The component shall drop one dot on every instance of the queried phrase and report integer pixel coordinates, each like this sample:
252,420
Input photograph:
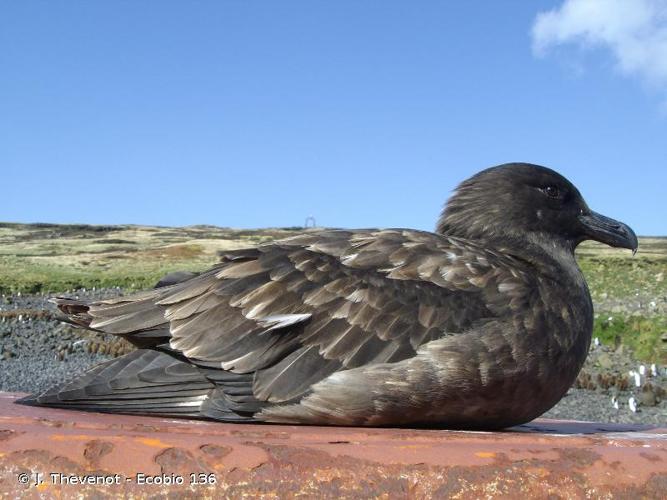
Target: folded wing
279,318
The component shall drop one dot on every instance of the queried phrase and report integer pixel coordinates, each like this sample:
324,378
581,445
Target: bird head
525,202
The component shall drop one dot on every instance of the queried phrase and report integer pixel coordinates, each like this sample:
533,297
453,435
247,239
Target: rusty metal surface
546,458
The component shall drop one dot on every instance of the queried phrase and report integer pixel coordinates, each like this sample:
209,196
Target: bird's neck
555,264
551,257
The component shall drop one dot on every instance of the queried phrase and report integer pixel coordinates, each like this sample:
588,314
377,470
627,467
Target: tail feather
138,315
73,311
152,382
142,382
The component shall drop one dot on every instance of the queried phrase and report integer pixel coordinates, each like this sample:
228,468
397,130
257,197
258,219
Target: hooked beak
606,230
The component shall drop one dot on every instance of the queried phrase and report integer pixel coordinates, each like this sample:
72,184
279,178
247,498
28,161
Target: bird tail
73,311
141,382
136,317
158,383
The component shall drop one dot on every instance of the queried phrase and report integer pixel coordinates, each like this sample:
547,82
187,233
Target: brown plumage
484,324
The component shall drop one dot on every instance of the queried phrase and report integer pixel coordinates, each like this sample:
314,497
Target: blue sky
363,114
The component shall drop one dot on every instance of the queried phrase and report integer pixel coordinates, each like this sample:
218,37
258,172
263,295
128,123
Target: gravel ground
37,351
593,406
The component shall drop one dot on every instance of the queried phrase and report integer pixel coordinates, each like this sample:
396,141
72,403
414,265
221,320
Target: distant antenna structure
310,222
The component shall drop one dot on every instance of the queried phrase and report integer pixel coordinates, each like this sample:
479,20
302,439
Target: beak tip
609,231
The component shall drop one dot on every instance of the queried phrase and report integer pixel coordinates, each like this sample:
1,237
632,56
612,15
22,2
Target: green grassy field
53,258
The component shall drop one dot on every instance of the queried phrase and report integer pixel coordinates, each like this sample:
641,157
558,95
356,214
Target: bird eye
551,191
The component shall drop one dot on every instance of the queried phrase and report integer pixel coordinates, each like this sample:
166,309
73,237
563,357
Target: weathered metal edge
57,449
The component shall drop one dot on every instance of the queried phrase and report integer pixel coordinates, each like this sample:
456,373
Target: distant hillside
59,257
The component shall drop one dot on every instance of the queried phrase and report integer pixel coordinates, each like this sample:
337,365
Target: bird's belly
453,382
509,389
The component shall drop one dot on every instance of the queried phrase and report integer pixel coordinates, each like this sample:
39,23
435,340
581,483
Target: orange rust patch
71,437
485,454
154,442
